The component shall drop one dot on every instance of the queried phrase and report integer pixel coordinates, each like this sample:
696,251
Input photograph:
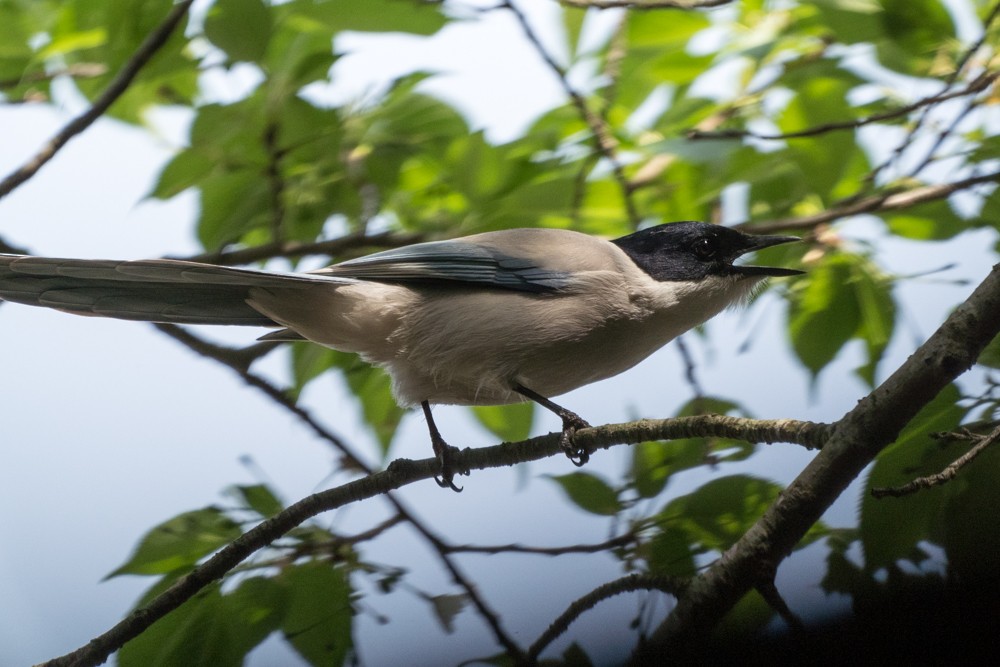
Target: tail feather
170,291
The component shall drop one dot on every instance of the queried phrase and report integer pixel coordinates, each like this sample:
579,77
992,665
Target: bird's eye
704,249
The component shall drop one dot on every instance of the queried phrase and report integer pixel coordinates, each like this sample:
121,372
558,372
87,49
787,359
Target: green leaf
845,297
589,492
210,629
446,608
671,552
967,530
371,386
319,618
241,28
573,19
180,542
932,221
420,18
510,423
718,513
890,528
878,315
259,498
186,170
232,204
916,30
746,620
990,356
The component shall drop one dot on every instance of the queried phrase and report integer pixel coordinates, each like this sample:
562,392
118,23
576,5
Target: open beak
758,243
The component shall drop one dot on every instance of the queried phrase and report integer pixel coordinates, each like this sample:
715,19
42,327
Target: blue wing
452,262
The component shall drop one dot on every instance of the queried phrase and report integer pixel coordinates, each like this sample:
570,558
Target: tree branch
854,442
644,4
603,135
115,89
979,84
402,472
889,201
628,584
945,475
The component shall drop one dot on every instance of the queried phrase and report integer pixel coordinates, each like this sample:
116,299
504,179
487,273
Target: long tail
155,290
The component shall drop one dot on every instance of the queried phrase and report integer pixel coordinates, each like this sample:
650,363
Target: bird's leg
571,423
443,451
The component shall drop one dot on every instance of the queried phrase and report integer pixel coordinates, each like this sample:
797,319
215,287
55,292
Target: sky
110,428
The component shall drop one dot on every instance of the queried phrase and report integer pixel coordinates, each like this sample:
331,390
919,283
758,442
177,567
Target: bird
489,319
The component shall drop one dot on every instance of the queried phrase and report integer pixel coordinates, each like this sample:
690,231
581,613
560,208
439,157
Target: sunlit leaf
510,423
241,28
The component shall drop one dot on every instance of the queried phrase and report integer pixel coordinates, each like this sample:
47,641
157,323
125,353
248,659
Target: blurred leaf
446,608
747,619
573,19
890,528
671,551
510,423
990,356
658,54
180,542
210,628
241,28
186,170
916,29
716,515
370,385
843,298
421,18
575,656
232,204
932,221
878,315
259,498
589,492
318,622
653,463
967,531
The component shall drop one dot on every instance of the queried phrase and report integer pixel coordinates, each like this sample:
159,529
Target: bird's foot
446,457
572,422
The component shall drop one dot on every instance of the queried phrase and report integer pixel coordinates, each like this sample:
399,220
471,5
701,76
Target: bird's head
694,251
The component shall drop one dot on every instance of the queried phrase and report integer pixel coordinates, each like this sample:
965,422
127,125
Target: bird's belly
473,378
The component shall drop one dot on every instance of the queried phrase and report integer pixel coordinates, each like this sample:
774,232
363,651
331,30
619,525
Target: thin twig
690,372
603,136
76,71
275,182
645,4
491,617
628,584
234,360
402,472
613,543
115,89
942,477
881,202
231,358
949,82
981,83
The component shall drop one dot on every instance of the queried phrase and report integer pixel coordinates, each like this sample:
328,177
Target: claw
571,423
445,454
